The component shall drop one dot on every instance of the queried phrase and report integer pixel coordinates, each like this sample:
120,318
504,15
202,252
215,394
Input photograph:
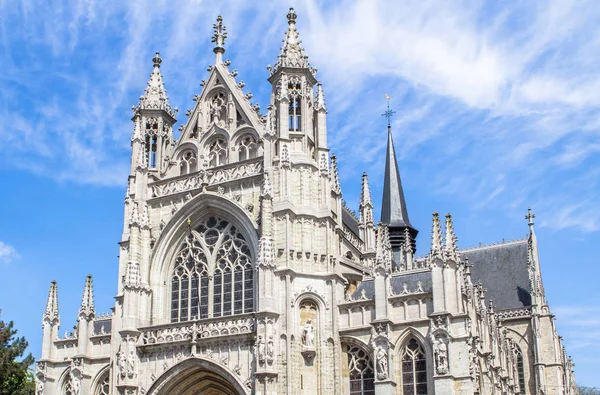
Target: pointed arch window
414,369
247,147
295,106
188,163
104,386
217,152
213,274
520,368
360,371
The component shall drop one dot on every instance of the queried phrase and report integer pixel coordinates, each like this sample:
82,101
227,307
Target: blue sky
497,110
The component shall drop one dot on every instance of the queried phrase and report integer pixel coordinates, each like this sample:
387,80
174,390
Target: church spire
87,301
155,95
51,312
292,53
394,212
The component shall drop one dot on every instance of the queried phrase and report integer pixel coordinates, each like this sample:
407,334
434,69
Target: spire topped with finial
155,95
530,217
51,312
436,237
366,204
292,53
335,176
451,247
219,36
87,309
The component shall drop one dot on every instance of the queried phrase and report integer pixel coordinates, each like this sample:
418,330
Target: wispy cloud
8,253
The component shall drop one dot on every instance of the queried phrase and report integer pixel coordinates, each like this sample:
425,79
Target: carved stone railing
194,330
353,239
233,172
515,313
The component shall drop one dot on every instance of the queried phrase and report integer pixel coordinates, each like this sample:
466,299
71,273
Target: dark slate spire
393,206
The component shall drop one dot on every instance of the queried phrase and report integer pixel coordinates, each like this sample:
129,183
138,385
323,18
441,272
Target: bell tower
299,111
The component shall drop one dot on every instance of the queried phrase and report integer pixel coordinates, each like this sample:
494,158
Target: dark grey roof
351,222
397,283
502,269
393,205
412,281
102,324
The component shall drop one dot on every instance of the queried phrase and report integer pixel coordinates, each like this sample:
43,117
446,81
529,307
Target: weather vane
388,114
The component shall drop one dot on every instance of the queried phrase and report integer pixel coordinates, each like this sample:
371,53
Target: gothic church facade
241,270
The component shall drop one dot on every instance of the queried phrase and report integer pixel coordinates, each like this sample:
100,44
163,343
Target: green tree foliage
15,378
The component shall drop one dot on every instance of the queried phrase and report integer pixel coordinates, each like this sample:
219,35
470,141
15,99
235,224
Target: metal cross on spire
389,112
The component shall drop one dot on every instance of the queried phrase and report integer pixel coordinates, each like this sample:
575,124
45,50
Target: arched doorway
197,377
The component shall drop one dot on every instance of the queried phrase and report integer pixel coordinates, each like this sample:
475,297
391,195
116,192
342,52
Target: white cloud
8,253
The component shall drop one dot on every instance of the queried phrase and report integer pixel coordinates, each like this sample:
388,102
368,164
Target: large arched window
414,369
247,147
361,372
217,152
103,387
188,163
520,368
213,264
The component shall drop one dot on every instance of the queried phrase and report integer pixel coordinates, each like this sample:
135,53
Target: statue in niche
440,350
308,334
122,361
270,349
216,109
260,346
131,364
76,386
382,363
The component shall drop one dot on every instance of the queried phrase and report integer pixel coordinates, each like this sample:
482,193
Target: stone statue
440,350
39,387
308,334
122,360
382,363
270,349
76,386
261,349
131,364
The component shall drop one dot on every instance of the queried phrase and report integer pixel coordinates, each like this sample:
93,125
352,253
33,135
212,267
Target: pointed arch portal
197,377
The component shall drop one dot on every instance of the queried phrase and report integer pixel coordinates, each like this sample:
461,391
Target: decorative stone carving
308,335
381,359
260,350
270,350
206,178
440,352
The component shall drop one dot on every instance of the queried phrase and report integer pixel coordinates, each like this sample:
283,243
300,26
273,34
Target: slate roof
502,269
397,282
99,323
349,220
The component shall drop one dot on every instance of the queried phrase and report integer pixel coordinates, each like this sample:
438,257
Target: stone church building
242,271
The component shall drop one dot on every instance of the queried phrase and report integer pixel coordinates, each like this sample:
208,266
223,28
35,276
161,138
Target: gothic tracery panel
217,152
360,372
104,386
414,369
188,162
213,273
247,147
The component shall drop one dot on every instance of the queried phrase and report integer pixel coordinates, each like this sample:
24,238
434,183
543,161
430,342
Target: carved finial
335,177
51,312
451,247
135,217
320,98
145,220
529,217
157,59
267,189
219,36
383,252
87,310
291,16
366,204
388,113
436,237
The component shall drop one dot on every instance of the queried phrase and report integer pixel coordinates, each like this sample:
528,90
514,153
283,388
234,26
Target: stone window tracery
520,368
247,147
103,387
188,163
68,387
217,152
361,372
295,106
414,369
213,274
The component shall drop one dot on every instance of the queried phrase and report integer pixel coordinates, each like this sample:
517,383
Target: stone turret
50,322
